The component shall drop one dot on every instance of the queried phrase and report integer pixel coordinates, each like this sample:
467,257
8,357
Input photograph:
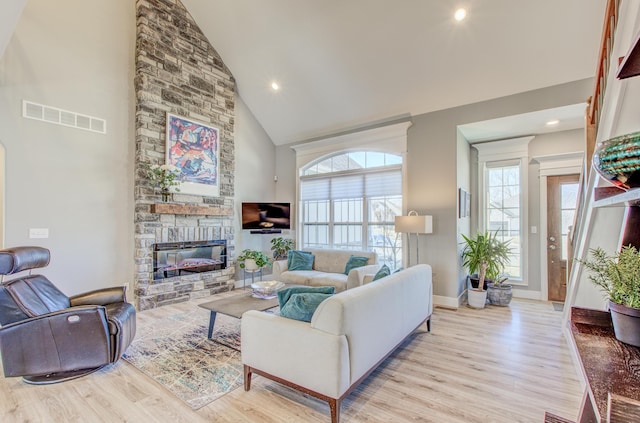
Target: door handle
552,238
552,247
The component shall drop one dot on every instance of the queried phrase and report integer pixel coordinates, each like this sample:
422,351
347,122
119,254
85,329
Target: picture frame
194,148
464,203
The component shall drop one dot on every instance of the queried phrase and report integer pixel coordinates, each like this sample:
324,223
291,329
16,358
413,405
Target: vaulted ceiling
342,64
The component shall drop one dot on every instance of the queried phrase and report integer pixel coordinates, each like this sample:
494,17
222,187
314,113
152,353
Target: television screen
266,216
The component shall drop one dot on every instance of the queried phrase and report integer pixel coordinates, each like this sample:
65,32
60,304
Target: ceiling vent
57,116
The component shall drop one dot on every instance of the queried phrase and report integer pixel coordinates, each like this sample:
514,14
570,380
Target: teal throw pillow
285,294
384,271
399,269
291,253
302,306
301,260
354,262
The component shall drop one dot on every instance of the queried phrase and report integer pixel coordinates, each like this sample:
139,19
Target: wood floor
494,365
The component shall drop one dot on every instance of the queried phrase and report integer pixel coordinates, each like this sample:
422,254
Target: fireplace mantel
168,208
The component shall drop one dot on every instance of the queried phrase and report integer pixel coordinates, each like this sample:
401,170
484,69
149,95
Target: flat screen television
266,216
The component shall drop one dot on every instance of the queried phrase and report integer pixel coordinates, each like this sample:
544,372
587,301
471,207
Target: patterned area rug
176,353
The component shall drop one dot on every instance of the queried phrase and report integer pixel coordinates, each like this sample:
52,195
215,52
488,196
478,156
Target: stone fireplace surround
178,71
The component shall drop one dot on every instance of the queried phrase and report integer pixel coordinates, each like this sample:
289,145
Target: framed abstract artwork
193,147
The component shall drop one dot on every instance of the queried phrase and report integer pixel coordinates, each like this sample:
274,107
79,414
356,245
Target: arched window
349,201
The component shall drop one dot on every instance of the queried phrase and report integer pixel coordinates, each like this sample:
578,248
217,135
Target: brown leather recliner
47,337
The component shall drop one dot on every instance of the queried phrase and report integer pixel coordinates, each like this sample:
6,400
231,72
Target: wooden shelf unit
611,369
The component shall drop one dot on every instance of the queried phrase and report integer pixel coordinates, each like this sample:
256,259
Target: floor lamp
414,224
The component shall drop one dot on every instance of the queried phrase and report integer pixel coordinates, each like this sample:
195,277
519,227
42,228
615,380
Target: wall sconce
414,224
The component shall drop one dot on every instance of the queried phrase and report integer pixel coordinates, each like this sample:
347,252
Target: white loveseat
328,269
350,334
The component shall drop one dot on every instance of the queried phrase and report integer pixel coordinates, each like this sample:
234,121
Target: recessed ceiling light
275,86
553,122
460,14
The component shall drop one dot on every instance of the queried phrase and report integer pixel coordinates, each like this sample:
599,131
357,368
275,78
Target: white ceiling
534,123
346,63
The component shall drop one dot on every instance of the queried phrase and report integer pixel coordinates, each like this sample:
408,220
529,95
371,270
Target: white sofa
328,269
350,334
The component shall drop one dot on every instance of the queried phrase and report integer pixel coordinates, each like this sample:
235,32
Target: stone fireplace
179,72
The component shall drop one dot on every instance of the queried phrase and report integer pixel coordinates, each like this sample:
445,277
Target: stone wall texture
179,72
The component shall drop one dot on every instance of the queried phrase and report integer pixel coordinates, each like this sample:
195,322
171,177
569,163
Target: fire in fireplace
184,258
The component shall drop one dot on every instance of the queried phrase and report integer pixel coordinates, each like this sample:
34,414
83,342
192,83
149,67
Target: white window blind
374,184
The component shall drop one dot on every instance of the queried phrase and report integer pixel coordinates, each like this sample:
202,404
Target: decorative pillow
398,269
301,260
384,271
291,253
354,262
302,306
285,294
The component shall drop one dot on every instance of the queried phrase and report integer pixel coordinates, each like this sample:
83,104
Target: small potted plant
164,177
619,278
252,260
281,247
486,256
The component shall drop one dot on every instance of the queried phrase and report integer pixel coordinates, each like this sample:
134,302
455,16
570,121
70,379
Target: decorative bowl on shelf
618,160
266,289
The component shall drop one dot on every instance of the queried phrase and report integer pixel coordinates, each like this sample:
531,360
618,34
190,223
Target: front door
562,195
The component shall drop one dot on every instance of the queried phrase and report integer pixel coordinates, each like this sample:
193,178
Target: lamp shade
414,224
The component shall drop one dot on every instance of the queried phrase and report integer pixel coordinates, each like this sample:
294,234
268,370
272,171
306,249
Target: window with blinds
352,206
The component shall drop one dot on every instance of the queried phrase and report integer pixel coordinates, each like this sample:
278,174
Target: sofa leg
334,405
429,325
247,377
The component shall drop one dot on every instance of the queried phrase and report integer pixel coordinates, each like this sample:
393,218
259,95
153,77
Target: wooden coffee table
236,306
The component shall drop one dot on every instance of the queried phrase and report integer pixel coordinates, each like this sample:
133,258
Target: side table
252,272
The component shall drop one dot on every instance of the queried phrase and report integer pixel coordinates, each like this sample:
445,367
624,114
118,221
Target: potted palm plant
486,256
619,278
252,260
281,247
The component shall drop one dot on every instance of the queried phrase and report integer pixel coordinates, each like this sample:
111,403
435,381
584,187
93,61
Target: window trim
502,153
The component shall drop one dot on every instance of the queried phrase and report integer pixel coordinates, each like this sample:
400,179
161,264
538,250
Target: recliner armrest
116,294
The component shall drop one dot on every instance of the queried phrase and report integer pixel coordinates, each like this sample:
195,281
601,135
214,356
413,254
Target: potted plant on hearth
281,247
619,277
252,260
485,257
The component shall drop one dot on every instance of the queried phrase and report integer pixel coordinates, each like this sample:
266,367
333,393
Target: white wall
463,177
255,171
11,11
78,56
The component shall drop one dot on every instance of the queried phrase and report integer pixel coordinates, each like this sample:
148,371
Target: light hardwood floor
494,365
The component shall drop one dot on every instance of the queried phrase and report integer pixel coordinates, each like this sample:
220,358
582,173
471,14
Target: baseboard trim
528,295
448,302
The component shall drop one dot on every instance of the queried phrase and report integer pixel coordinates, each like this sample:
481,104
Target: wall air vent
57,116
